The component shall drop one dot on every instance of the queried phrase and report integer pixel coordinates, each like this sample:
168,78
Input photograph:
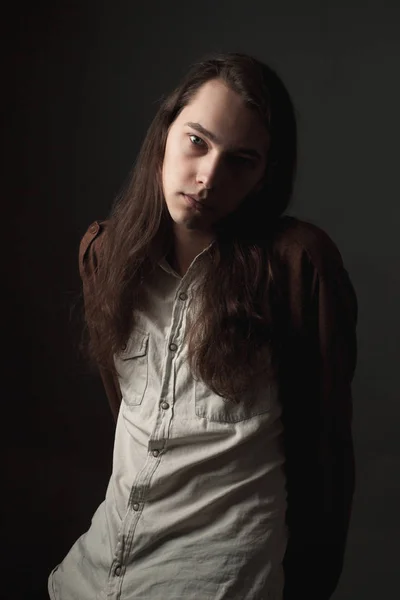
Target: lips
196,199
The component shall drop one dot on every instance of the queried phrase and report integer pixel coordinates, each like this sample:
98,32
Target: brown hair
234,334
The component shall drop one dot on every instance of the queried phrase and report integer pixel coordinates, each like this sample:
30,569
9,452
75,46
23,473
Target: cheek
168,170
179,165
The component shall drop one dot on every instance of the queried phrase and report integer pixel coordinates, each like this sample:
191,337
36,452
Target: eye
243,160
197,138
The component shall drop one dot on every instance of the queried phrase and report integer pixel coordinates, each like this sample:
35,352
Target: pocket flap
136,345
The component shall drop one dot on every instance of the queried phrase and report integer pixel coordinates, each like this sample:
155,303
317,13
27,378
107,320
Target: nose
210,171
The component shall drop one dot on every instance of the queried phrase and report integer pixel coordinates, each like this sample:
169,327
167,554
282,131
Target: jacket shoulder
89,247
298,239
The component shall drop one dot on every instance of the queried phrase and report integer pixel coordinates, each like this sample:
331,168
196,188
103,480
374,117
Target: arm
89,251
337,320
316,382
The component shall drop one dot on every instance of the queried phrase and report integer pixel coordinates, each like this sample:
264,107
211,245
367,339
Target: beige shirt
195,506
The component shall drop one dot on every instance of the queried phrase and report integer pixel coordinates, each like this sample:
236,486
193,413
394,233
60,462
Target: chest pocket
133,368
259,399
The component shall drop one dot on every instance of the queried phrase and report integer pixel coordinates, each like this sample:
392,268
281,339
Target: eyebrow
215,139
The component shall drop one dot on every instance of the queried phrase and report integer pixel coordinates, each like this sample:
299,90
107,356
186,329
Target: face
216,149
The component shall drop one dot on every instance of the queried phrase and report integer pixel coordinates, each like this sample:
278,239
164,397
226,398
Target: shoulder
313,266
90,247
298,241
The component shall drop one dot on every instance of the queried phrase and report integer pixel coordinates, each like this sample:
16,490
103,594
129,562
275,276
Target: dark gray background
81,82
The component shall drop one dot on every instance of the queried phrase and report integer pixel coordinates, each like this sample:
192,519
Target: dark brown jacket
316,371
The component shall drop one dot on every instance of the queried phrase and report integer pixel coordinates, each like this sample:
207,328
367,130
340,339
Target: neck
181,258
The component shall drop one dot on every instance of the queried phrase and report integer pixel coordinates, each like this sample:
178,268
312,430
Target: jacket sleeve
337,320
318,422
89,251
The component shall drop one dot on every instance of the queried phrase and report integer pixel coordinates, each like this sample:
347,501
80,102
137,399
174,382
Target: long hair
233,334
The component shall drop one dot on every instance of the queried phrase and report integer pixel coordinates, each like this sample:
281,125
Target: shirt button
136,506
164,405
93,228
183,296
117,571
156,453
173,346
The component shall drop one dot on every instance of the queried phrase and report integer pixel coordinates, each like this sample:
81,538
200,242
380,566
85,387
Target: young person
225,335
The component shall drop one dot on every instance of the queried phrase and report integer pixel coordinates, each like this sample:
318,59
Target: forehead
222,111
